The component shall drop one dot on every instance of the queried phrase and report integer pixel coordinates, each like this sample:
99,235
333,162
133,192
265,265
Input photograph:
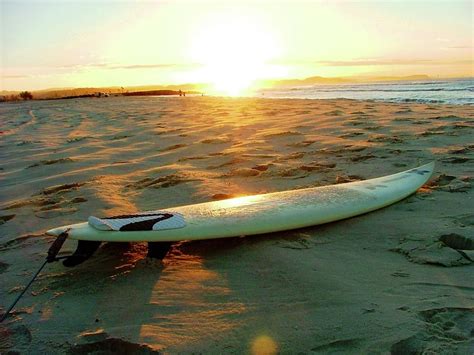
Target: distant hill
307,81
396,78
8,92
315,80
57,93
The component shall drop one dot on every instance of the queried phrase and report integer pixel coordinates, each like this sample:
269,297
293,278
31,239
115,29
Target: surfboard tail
55,232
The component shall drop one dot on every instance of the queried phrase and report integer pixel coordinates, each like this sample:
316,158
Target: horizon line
360,78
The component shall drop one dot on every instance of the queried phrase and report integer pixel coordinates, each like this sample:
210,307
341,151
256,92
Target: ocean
455,91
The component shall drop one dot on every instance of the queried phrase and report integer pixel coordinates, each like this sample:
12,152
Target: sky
229,44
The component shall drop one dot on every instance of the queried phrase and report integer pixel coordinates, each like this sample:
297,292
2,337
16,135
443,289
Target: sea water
455,91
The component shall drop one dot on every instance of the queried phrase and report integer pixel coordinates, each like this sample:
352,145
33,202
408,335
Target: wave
459,101
448,91
388,90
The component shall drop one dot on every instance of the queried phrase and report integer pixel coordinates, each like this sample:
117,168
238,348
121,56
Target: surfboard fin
85,249
158,250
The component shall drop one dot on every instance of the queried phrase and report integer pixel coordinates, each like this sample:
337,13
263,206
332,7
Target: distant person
184,93
180,93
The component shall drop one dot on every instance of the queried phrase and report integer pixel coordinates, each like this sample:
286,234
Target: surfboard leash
51,257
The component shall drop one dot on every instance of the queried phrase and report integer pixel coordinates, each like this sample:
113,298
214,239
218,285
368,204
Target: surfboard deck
257,214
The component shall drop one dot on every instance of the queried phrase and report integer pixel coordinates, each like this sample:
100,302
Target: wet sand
398,279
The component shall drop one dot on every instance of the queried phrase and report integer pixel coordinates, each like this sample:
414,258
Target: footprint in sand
233,161
321,167
463,150
456,160
352,134
403,111
305,143
50,202
354,122
77,139
446,118
431,132
338,346
449,183
302,170
457,241
161,182
110,346
282,134
359,158
217,140
173,147
292,156
420,122
447,330
373,128
55,212
51,162
242,172
402,119
167,131
334,113
192,158
464,220
5,218
62,188
62,207
14,336
431,250
20,242
119,137
26,142
385,139
262,167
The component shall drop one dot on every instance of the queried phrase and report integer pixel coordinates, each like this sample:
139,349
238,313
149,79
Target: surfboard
256,214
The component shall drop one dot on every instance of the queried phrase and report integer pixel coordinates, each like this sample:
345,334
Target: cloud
110,66
366,62
142,66
459,47
15,76
83,66
376,62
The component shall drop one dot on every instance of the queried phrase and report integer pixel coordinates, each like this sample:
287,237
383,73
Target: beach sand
396,280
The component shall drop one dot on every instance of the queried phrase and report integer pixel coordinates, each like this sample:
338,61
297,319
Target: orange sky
229,43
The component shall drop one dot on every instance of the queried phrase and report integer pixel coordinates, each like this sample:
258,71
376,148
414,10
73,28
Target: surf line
51,257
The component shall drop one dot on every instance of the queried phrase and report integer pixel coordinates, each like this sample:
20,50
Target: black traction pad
143,221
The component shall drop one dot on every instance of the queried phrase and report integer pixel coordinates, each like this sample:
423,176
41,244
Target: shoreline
256,97
290,86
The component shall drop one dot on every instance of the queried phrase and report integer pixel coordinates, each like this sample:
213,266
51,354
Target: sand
396,280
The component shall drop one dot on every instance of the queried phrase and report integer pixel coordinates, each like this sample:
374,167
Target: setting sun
234,51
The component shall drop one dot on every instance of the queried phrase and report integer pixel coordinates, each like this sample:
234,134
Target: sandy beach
396,280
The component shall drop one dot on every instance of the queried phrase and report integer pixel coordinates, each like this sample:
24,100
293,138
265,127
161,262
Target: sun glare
234,52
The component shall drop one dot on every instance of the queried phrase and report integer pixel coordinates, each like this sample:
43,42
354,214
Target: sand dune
399,279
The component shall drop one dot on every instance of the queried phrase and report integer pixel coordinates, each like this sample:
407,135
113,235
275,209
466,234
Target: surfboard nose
430,166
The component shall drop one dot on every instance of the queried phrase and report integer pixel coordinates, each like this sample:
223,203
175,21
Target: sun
233,52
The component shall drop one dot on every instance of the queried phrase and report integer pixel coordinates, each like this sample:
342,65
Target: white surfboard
255,214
